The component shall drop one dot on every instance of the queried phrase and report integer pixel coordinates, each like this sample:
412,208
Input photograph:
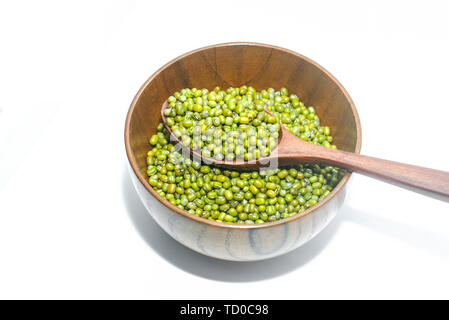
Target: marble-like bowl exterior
239,244
232,241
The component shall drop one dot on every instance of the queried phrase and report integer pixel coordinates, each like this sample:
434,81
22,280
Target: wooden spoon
291,150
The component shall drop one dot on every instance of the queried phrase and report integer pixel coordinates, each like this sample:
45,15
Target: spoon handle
430,182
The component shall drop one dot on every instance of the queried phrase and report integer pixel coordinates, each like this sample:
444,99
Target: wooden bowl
235,64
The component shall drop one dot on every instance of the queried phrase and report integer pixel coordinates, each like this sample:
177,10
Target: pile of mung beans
233,124
209,122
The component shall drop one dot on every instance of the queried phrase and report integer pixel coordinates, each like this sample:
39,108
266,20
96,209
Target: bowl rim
212,223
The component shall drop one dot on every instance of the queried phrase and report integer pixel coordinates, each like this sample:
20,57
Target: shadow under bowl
235,64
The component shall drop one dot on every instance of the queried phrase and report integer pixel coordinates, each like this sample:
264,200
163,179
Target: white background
71,225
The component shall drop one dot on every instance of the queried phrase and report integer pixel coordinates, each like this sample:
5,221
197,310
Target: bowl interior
261,66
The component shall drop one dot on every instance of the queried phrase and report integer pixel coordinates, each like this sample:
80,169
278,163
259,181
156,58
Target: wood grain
430,182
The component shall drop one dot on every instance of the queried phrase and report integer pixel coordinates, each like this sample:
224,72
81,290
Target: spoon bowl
279,156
